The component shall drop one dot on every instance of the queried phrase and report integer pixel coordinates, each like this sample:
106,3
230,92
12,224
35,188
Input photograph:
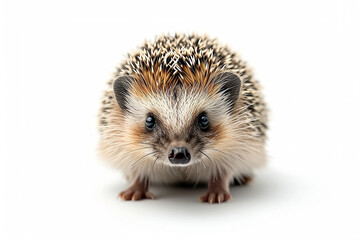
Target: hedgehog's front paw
215,196
135,194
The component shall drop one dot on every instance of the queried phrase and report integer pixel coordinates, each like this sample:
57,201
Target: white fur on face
236,151
177,114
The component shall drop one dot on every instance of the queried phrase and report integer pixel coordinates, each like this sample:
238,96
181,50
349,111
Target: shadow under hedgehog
183,109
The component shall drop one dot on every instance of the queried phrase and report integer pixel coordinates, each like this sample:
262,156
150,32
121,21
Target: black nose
179,155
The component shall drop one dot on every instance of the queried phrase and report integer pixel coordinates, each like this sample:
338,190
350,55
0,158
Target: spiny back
188,60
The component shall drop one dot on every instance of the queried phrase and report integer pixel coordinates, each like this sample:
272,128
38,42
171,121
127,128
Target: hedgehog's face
177,126
178,141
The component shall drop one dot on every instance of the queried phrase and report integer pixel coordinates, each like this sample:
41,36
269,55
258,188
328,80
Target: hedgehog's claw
134,195
218,191
215,197
137,191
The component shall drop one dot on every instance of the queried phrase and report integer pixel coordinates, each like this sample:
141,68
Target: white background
55,58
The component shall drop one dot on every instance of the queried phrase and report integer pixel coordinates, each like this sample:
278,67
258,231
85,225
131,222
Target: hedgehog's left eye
203,122
150,123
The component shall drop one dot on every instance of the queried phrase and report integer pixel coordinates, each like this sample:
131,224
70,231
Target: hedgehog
183,109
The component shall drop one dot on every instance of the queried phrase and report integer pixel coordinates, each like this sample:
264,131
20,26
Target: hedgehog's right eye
150,123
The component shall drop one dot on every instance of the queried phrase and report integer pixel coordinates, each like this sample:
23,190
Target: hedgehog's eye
203,122
150,123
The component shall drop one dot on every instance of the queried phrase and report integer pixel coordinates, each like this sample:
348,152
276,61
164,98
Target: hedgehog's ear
230,86
121,90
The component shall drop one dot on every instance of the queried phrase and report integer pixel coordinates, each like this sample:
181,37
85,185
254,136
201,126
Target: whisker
133,143
219,151
188,176
197,181
155,162
142,158
241,161
217,167
204,163
189,172
138,149
173,170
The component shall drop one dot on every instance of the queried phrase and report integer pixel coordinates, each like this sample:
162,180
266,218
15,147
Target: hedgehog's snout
179,155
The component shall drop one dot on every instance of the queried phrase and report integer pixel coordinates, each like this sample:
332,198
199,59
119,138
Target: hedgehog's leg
138,190
218,190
